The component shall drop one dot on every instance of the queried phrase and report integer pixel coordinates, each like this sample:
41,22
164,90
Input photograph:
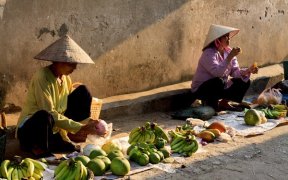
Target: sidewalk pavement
169,98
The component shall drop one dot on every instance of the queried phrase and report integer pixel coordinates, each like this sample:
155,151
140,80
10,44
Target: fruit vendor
218,78
54,108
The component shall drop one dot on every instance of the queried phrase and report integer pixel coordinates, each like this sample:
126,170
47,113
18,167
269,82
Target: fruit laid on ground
147,133
97,152
216,132
120,166
84,159
165,152
207,136
143,159
217,125
70,169
184,145
88,148
154,158
252,117
97,166
110,146
19,168
106,160
160,142
114,154
141,153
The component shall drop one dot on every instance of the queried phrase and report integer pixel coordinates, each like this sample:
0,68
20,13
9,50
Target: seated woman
53,107
218,75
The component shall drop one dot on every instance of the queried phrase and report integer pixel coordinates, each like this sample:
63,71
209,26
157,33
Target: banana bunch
147,133
71,169
185,146
141,134
27,168
275,111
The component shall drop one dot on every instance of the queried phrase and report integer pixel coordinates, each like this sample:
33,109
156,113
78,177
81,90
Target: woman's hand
234,52
253,68
81,135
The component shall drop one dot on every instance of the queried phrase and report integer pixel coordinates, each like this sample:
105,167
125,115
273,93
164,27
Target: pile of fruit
22,169
147,133
142,153
212,132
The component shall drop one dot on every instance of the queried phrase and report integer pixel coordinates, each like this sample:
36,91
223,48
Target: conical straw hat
216,31
64,50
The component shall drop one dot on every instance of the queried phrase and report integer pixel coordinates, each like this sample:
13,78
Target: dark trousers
37,130
214,89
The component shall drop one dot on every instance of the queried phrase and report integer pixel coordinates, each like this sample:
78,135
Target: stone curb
173,97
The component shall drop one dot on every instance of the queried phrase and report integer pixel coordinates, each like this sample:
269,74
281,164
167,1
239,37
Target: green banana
160,132
176,140
135,137
30,166
60,166
179,148
4,168
195,148
189,147
180,143
84,173
78,170
134,131
62,173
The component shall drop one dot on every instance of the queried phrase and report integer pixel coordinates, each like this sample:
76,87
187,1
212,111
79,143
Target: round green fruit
97,152
165,152
115,153
84,159
154,158
106,160
120,166
143,159
97,166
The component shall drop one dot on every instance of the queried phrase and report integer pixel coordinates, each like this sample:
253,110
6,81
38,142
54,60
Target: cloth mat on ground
236,121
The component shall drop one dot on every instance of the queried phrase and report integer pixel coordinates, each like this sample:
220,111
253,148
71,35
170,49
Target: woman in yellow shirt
53,108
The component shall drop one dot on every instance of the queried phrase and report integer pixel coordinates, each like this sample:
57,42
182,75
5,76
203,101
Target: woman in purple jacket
218,75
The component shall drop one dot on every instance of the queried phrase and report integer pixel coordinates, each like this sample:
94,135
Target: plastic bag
270,96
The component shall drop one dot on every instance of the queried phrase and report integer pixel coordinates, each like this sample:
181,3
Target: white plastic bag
270,96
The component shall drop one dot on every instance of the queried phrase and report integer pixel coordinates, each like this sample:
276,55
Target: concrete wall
136,44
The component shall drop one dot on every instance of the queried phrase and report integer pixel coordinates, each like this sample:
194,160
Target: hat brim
216,31
64,49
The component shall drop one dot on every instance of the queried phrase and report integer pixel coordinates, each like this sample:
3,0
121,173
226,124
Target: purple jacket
211,64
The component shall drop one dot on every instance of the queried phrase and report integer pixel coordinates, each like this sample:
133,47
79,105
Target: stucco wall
136,44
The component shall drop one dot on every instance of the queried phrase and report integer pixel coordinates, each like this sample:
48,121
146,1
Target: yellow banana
14,175
31,178
84,172
20,175
4,168
9,173
30,167
24,171
37,164
152,136
134,131
134,137
147,136
38,172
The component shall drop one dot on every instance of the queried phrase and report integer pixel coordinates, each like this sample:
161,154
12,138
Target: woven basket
2,144
96,106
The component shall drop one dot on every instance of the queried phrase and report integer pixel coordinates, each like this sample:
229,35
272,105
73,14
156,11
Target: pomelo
97,152
115,153
97,166
120,166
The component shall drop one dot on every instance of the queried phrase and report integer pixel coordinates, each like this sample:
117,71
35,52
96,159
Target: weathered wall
136,44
